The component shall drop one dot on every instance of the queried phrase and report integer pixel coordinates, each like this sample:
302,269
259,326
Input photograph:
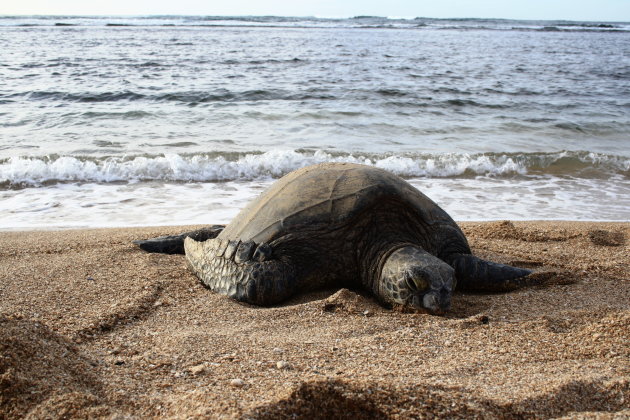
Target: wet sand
90,326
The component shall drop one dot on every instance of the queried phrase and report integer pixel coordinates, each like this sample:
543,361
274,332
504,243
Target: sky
594,10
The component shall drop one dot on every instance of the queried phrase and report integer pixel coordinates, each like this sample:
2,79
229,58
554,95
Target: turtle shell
325,196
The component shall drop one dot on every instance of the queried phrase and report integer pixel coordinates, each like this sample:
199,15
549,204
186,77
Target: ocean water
127,121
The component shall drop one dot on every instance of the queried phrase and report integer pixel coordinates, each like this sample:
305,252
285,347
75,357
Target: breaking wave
24,172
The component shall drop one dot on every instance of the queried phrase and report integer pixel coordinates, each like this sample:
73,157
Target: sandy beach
92,327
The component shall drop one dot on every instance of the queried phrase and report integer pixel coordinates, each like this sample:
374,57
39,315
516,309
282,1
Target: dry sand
90,326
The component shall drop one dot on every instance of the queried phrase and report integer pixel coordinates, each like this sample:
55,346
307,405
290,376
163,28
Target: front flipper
473,273
174,244
244,271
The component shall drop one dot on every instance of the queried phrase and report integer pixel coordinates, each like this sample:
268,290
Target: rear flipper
244,271
473,273
174,244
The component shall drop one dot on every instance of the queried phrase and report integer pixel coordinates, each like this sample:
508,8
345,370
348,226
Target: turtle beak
434,301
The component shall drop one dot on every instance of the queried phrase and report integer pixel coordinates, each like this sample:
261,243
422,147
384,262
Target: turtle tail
174,244
473,273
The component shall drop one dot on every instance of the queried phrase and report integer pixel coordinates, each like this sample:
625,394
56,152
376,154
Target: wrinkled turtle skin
343,225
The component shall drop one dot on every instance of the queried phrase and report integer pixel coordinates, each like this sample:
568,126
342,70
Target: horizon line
164,15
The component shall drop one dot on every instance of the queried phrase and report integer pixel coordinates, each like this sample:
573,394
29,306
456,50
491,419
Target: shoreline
90,326
185,227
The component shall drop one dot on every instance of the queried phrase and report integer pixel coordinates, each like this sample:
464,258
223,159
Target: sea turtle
339,224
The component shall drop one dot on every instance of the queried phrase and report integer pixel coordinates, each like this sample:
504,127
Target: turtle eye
410,283
416,281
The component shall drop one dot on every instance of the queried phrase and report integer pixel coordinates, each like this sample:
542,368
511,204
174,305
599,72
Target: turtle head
415,278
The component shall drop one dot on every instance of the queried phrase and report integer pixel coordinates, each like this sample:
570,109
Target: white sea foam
159,203
34,171
90,197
